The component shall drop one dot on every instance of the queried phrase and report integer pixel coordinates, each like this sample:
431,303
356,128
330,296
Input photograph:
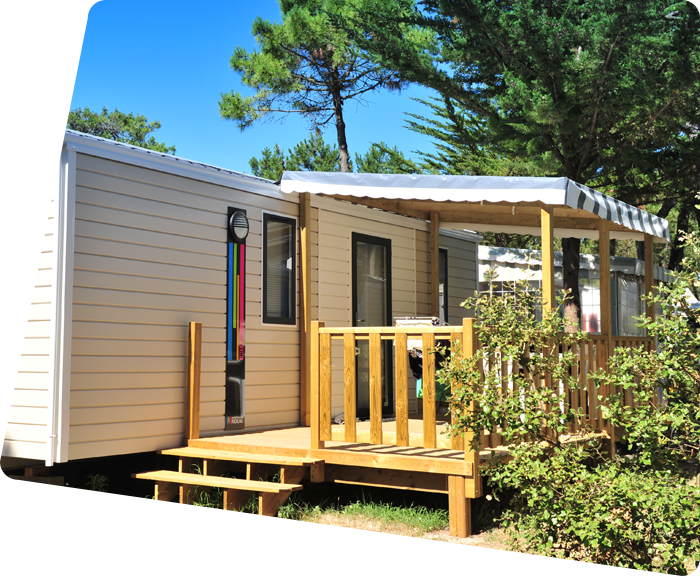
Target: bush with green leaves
570,497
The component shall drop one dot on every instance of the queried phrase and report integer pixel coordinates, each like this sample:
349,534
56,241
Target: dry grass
71,538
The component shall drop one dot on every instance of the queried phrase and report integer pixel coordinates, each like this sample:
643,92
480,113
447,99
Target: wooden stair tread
217,481
193,452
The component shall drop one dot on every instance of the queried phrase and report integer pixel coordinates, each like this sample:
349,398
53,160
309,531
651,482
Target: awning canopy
486,203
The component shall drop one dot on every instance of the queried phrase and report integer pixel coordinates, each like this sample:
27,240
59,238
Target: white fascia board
173,165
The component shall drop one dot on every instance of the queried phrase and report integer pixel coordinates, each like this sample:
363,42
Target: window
279,266
444,304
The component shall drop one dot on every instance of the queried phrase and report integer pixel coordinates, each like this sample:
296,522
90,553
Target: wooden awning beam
523,214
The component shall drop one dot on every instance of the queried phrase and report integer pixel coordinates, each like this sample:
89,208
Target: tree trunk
572,308
343,154
677,251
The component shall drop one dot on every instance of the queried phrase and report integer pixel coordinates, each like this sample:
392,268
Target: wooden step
191,452
236,492
216,481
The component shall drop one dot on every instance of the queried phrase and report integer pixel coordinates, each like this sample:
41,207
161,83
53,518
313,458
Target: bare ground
72,539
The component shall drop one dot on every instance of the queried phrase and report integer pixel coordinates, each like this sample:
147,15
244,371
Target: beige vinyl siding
150,257
336,222
26,294
461,276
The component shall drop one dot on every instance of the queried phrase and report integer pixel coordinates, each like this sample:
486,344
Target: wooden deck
296,441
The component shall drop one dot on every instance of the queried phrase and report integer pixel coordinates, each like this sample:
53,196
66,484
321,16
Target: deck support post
547,226
304,305
460,507
315,396
435,264
194,370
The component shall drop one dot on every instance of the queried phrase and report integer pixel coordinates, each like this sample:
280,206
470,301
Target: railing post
194,370
315,400
470,455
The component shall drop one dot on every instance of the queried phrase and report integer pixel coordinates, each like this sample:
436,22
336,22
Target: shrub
569,498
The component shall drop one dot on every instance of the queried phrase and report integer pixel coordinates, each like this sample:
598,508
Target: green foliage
270,165
296,509
663,434
306,65
380,159
522,402
568,497
418,517
312,155
127,128
22,101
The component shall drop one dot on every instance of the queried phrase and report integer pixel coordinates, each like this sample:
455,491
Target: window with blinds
279,265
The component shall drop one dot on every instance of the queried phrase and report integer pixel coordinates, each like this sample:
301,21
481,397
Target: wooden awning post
304,306
435,264
547,225
194,370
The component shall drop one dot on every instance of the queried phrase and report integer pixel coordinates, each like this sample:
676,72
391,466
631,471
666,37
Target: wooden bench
236,492
292,468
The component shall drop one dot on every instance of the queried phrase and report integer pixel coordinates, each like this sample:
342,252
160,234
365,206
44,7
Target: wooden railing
591,355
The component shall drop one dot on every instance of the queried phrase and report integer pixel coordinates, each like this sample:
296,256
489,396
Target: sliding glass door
371,306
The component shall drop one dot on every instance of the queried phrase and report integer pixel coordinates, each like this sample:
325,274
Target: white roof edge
552,191
120,152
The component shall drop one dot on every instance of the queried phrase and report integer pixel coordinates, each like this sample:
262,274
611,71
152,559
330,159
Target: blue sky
170,62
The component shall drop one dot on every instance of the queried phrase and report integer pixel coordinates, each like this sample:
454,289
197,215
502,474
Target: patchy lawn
71,539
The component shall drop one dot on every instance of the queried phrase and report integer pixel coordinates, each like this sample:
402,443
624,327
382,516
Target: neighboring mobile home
138,244
627,281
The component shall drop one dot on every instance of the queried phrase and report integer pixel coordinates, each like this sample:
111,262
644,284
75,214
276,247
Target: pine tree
305,65
127,128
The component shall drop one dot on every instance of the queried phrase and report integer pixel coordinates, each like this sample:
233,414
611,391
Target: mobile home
138,244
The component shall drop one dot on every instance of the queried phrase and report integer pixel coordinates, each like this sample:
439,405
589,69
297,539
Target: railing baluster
600,363
429,430
350,388
375,389
456,441
401,362
325,397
